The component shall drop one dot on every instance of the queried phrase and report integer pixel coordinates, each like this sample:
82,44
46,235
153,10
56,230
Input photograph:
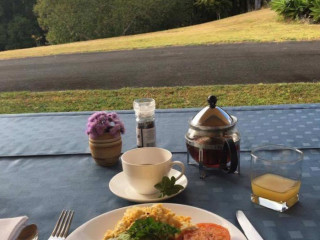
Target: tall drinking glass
276,176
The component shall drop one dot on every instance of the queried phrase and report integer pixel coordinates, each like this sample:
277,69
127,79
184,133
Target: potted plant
104,130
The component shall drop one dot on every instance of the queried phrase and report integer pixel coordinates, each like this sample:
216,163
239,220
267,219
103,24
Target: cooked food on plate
206,231
159,223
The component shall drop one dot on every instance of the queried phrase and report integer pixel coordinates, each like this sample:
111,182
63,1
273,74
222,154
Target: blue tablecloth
64,133
45,167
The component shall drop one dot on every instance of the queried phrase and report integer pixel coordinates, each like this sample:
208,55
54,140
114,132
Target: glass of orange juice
276,176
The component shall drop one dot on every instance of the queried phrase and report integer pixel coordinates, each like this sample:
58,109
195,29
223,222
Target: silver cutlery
250,232
29,232
61,229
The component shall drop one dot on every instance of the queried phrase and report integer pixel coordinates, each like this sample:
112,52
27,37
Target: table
45,166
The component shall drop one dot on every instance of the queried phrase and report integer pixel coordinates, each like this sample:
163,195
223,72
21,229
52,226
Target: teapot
213,140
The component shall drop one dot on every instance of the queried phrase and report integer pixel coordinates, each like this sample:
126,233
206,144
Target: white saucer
119,186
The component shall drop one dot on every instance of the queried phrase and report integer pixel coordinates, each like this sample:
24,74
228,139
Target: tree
21,33
67,21
18,25
78,20
220,7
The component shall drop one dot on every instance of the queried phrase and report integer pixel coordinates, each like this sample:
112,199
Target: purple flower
115,130
101,122
122,129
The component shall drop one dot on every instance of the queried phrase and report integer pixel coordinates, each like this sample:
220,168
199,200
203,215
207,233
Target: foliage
78,20
315,10
18,25
297,9
65,21
292,9
137,16
149,229
20,32
220,7
168,186
256,26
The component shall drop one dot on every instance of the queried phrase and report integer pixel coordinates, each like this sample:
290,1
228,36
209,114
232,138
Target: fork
62,226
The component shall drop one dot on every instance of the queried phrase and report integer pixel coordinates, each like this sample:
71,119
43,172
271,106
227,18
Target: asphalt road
171,66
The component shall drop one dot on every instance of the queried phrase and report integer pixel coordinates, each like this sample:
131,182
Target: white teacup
145,167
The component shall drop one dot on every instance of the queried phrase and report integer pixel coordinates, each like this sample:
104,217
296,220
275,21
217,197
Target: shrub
297,9
220,7
291,9
315,10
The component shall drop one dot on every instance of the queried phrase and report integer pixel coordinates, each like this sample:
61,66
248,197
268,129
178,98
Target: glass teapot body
213,139
214,147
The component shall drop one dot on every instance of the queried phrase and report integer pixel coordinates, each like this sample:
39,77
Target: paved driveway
171,66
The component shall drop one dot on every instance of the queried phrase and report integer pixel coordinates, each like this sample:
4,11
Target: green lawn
256,26
166,97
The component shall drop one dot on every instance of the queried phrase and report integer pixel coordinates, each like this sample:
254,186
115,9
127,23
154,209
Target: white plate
120,187
96,227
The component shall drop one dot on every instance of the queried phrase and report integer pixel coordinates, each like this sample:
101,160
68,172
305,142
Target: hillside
257,26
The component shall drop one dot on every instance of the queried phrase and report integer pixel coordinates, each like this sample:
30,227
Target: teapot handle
230,147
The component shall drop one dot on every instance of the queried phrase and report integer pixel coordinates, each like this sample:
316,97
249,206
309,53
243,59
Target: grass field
257,26
166,97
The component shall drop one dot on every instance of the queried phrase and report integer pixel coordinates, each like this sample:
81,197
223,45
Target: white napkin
11,227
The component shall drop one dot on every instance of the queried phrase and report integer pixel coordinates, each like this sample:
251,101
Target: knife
247,227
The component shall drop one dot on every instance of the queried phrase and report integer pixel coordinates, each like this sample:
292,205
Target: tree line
29,23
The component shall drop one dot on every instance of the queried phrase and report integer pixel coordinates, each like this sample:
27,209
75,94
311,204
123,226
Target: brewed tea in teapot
213,140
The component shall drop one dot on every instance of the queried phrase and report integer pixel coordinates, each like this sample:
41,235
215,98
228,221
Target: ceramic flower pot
106,149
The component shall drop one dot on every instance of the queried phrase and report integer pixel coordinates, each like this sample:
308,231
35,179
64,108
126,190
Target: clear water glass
276,176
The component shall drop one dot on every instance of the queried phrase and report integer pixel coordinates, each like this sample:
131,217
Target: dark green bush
315,10
18,25
297,9
220,7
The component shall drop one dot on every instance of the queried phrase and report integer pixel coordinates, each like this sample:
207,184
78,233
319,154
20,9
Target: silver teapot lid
212,117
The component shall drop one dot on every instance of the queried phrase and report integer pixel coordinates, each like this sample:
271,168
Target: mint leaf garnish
167,186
